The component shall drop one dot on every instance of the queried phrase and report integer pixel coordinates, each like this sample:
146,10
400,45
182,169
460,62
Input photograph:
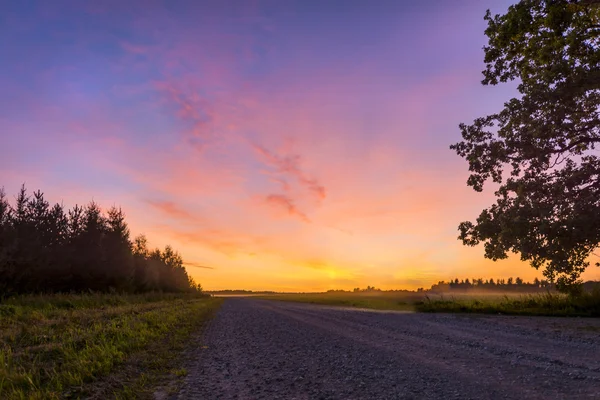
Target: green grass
62,346
548,304
558,305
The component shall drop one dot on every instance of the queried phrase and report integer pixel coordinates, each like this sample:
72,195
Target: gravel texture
260,349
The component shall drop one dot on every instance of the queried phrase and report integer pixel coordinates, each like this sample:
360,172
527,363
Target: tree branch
590,2
576,143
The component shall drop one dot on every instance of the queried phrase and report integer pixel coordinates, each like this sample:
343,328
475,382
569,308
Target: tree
6,267
118,250
38,240
57,241
519,281
91,257
143,278
44,249
541,147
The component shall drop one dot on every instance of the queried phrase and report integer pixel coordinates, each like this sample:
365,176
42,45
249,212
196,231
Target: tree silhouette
502,285
45,249
118,250
541,147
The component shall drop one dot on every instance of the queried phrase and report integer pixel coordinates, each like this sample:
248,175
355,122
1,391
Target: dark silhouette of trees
541,148
367,289
45,249
501,285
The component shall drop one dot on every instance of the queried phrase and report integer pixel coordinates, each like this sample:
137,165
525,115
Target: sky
278,145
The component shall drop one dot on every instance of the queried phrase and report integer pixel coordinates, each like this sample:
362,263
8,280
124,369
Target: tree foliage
541,147
45,249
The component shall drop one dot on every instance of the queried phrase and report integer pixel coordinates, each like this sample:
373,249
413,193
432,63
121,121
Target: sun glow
259,152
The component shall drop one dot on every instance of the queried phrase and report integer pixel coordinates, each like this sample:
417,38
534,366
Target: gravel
260,349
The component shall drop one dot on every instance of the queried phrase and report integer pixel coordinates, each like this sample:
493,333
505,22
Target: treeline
510,284
45,249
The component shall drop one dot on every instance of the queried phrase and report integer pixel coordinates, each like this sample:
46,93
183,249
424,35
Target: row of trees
490,284
44,248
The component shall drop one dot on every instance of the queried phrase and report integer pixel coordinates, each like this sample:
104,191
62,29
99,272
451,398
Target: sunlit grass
376,301
549,304
53,346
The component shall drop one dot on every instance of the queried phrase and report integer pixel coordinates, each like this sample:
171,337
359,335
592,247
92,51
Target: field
400,301
548,304
515,303
95,346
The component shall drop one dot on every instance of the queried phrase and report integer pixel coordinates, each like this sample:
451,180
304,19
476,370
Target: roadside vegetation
95,346
86,312
400,301
512,297
549,304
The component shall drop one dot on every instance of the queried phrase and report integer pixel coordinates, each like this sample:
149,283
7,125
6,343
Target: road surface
260,349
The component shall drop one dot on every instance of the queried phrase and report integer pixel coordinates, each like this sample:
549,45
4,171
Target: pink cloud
195,110
229,243
290,165
287,204
172,210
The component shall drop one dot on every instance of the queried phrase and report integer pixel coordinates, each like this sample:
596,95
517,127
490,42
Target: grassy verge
550,304
102,346
376,302
587,305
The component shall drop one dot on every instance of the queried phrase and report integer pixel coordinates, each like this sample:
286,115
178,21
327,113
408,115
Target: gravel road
260,349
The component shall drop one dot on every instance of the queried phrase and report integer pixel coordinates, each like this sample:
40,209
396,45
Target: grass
556,305
376,301
547,304
103,346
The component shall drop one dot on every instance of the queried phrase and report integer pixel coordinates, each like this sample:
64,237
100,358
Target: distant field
557,305
401,301
515,303
102,346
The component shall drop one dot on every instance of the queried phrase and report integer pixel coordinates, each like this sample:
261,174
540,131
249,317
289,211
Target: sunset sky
285,145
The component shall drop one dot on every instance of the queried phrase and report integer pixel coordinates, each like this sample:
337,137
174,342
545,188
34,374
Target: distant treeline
370,289
510,284
516,284
44,248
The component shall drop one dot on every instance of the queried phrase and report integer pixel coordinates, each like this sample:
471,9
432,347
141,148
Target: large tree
541,148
